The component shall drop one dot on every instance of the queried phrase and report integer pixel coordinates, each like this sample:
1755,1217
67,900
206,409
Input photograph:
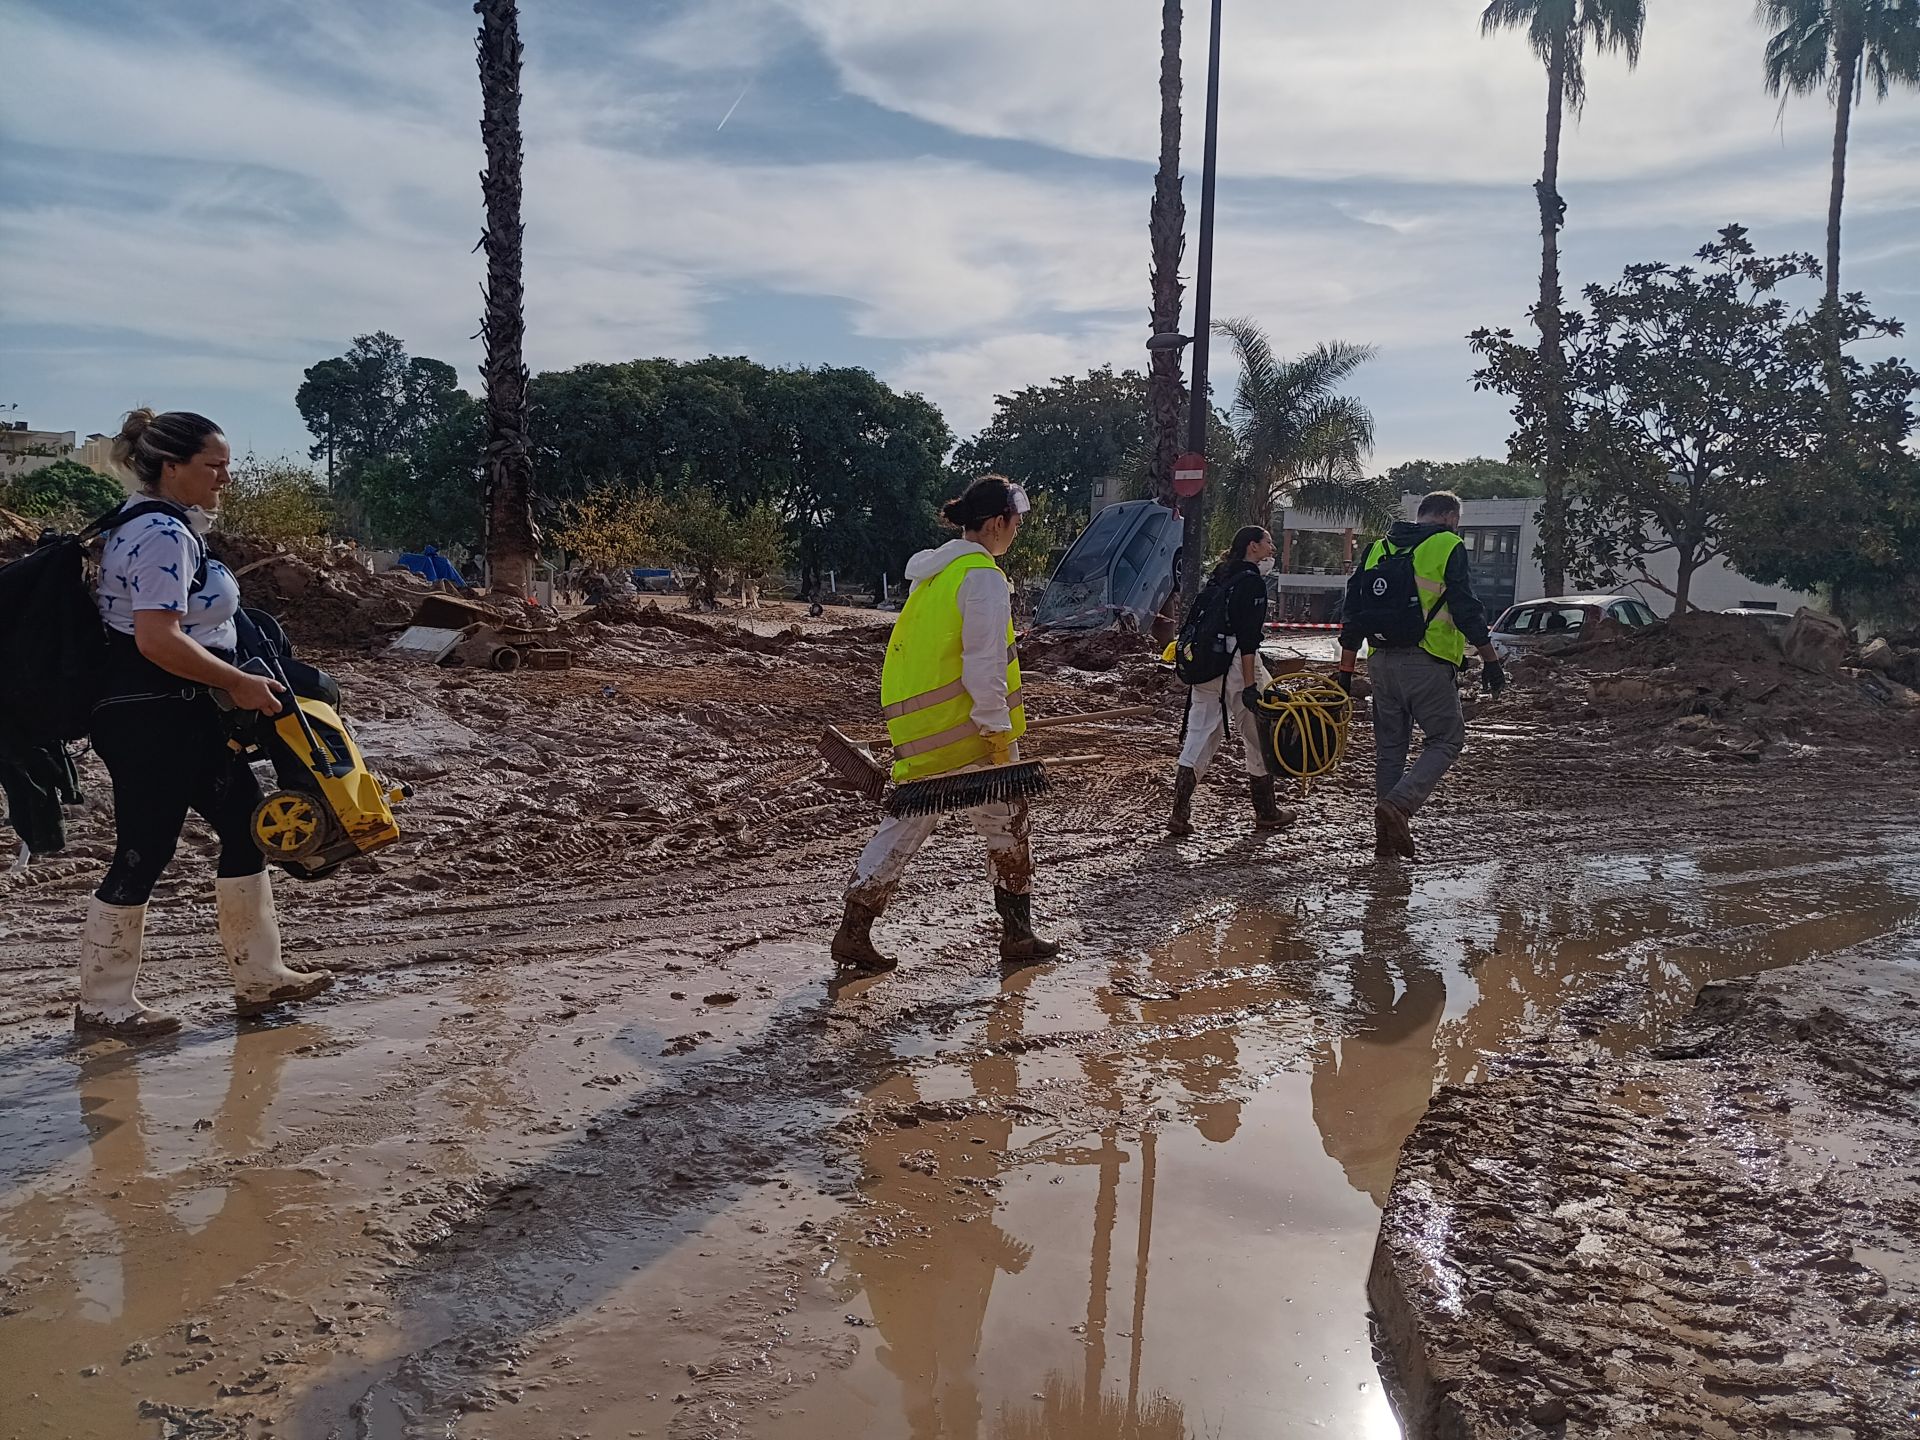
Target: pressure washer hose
1314,712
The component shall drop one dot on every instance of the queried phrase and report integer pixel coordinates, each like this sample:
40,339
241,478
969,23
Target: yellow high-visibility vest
929,712
1443,640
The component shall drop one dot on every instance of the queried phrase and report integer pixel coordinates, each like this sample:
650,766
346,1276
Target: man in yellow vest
1414,665
950,690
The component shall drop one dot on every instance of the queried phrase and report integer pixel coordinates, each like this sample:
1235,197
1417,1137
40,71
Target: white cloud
1393,89
328,186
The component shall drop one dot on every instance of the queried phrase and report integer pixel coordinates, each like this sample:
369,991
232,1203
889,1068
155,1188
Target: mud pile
1719,682
1714,1239
330,600
18,535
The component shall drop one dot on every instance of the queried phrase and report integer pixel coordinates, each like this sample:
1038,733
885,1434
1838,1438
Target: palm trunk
511,540
1848,60
1167,229
1553,508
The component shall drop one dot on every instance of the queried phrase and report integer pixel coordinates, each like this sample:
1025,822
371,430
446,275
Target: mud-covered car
1553,624
1774,622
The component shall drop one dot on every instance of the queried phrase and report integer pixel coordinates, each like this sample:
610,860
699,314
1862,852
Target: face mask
1266,566
200,520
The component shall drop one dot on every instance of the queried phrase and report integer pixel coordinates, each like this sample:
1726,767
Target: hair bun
954,513
131,429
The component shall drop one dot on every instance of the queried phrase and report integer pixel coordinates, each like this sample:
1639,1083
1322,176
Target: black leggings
168,755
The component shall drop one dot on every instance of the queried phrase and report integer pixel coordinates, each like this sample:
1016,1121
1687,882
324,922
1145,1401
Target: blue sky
198,200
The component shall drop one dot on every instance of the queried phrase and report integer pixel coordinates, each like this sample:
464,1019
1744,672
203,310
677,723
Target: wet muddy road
586,1144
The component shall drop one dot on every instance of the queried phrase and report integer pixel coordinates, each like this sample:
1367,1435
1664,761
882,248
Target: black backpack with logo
53,646
1201,651
1389,611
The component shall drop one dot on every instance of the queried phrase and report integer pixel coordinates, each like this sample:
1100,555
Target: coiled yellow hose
1303,725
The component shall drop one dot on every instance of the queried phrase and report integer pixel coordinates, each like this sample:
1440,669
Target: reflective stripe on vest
1443,640
928,710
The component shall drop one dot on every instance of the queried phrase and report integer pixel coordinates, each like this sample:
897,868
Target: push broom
964,788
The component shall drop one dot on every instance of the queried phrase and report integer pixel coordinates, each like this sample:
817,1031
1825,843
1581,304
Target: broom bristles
943,793
856,763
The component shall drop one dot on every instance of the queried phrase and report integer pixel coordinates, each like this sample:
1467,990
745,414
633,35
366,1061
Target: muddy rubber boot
1267,814
1392,830
250,935
1180,822
1018,944
853,947
109,965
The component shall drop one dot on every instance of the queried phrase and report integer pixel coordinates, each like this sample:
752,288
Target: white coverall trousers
1206,724
1003,825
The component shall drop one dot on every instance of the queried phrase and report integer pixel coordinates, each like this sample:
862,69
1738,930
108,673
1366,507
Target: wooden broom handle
1124,712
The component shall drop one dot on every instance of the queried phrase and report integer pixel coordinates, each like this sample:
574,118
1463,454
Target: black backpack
1200,650
53,646
1389,611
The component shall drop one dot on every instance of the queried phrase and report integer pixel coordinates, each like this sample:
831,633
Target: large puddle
1138,1201
1149,1210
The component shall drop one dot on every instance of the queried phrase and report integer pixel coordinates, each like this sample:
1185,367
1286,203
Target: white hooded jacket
986,609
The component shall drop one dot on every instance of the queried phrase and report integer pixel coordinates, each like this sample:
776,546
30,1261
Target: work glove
999,747
1493,676
1250,697
1344,679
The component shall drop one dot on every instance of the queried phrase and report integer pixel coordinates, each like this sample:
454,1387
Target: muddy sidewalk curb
1714,1238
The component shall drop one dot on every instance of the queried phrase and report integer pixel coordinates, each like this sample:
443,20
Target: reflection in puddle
1164,1230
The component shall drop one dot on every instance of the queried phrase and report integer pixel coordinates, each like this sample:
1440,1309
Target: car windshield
1563,618
1092,552
1522,620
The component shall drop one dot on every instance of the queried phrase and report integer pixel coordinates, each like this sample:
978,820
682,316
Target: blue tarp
431,565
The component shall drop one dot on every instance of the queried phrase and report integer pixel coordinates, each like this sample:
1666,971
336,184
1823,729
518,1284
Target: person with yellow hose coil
950,690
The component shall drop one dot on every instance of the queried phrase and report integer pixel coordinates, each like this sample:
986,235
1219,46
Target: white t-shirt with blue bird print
148,564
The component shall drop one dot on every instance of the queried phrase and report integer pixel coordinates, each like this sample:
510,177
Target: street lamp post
1194,511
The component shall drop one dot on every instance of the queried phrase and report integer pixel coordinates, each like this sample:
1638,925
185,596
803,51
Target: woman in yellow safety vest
950,690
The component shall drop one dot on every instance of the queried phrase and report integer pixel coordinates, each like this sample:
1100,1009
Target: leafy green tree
65,492
613,529
701,531
1057,439
1559,31
275,500
403,442
1847,524
1297,440
1475,479
1693,391
1843,47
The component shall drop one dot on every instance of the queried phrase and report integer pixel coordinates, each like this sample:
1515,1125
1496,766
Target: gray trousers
1412,687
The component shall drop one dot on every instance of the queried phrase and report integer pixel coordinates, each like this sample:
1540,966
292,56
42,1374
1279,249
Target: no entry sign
1189,474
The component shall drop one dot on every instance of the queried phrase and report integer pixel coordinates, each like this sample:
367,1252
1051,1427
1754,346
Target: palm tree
1843,47
1559,32
1167,230
1297,441
512,542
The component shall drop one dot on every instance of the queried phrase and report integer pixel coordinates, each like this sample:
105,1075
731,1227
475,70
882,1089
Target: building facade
1501,537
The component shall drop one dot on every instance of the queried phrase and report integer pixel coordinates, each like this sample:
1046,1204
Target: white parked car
1562,620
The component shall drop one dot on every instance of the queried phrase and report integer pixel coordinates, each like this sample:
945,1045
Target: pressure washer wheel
288,825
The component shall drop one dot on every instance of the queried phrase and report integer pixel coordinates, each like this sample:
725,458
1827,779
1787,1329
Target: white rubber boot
109,965
251,937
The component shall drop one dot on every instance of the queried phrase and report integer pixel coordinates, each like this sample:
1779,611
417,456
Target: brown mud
585,1143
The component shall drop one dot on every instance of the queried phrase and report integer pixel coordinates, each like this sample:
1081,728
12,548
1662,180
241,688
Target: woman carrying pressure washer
1233,605
951,694
169,611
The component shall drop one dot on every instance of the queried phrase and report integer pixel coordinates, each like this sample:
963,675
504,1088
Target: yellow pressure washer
1303,721
329,806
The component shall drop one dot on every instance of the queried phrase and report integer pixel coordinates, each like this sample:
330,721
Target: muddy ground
586,1142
